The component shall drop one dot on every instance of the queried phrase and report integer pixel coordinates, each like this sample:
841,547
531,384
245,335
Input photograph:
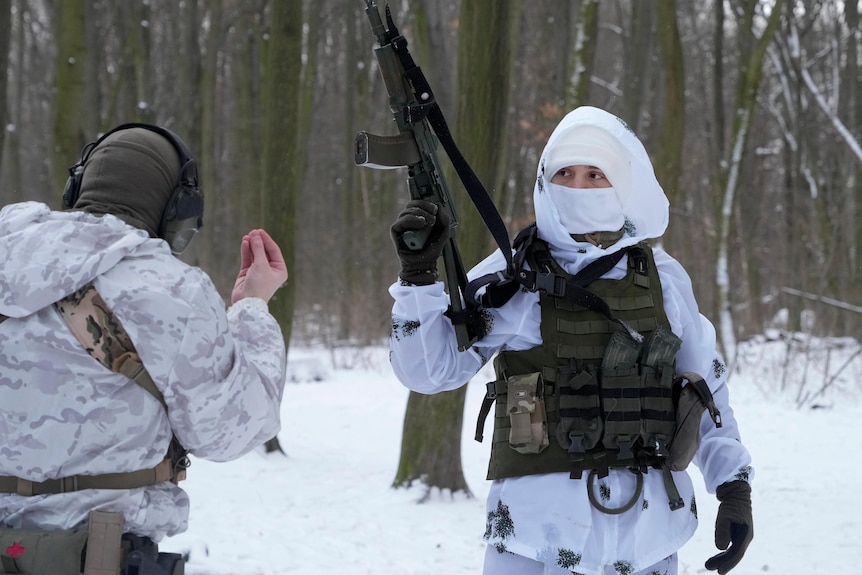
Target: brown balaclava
131,174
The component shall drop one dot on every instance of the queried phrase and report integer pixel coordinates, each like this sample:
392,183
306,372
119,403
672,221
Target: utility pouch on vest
694,398
39,552
104,552
526,408
62,551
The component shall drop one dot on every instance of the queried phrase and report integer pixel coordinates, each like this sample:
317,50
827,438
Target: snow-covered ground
327,507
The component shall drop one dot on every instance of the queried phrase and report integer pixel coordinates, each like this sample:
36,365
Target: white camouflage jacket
62,413
549,518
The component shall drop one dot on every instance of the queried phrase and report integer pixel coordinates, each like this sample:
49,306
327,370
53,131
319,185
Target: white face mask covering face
587,210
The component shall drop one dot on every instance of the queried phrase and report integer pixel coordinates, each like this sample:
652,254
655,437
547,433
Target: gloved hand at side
734,526
419,267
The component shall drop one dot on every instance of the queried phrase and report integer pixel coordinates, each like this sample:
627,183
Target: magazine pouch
526,408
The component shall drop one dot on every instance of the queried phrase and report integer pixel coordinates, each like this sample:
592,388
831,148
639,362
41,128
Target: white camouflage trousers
510,564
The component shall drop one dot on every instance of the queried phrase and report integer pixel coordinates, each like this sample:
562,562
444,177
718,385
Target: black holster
144,558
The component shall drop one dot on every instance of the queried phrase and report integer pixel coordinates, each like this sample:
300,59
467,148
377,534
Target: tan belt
131,480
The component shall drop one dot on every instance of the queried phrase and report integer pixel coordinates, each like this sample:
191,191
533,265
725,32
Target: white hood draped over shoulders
591,136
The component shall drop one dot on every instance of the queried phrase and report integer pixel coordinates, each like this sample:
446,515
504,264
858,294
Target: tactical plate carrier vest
591,397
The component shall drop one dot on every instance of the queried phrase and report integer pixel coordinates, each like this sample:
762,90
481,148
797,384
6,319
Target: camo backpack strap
103,336
105,339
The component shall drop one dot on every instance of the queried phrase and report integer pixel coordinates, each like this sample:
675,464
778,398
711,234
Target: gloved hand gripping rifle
415,147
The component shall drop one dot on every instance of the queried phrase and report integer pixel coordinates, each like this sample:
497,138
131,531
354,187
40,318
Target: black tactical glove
734,525
419,267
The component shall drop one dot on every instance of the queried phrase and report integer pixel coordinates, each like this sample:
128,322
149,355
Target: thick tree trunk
582,55
431,444
745,108
668,164
281,157
5,32
282,176
71,34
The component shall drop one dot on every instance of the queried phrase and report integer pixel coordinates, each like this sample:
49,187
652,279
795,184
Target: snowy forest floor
327,506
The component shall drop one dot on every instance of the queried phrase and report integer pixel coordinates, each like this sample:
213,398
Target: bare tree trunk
129,82
486,40
247,64
218,241
5,32
852,101
581,63
431,441
353,217
669,151
14,191
281,157
189,71
638,48
718,83
746,103
71,34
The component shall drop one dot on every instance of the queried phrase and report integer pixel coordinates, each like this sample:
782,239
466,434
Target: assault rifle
420,123
414,147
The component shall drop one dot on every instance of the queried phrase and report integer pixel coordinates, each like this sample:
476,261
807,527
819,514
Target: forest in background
750,109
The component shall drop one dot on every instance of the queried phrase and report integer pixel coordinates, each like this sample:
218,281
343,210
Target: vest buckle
551,284
491,390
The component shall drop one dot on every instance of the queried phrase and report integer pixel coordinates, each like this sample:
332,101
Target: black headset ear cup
73,186
183,215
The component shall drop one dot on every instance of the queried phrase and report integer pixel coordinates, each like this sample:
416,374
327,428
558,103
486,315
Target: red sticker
15,550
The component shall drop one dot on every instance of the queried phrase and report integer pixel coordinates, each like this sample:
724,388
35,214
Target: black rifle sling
552,279
597,268
572,288
500,287
430,109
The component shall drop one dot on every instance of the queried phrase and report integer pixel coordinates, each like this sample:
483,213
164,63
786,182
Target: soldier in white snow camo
221,371
595,196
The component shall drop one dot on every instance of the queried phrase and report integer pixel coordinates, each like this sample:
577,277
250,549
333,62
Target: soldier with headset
118,360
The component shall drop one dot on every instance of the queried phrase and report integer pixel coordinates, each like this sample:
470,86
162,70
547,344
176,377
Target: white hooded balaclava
593,137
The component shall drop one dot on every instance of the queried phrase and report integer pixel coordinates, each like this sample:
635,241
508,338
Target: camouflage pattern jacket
61,413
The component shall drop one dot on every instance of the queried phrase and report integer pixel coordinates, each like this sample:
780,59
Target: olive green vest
606,399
